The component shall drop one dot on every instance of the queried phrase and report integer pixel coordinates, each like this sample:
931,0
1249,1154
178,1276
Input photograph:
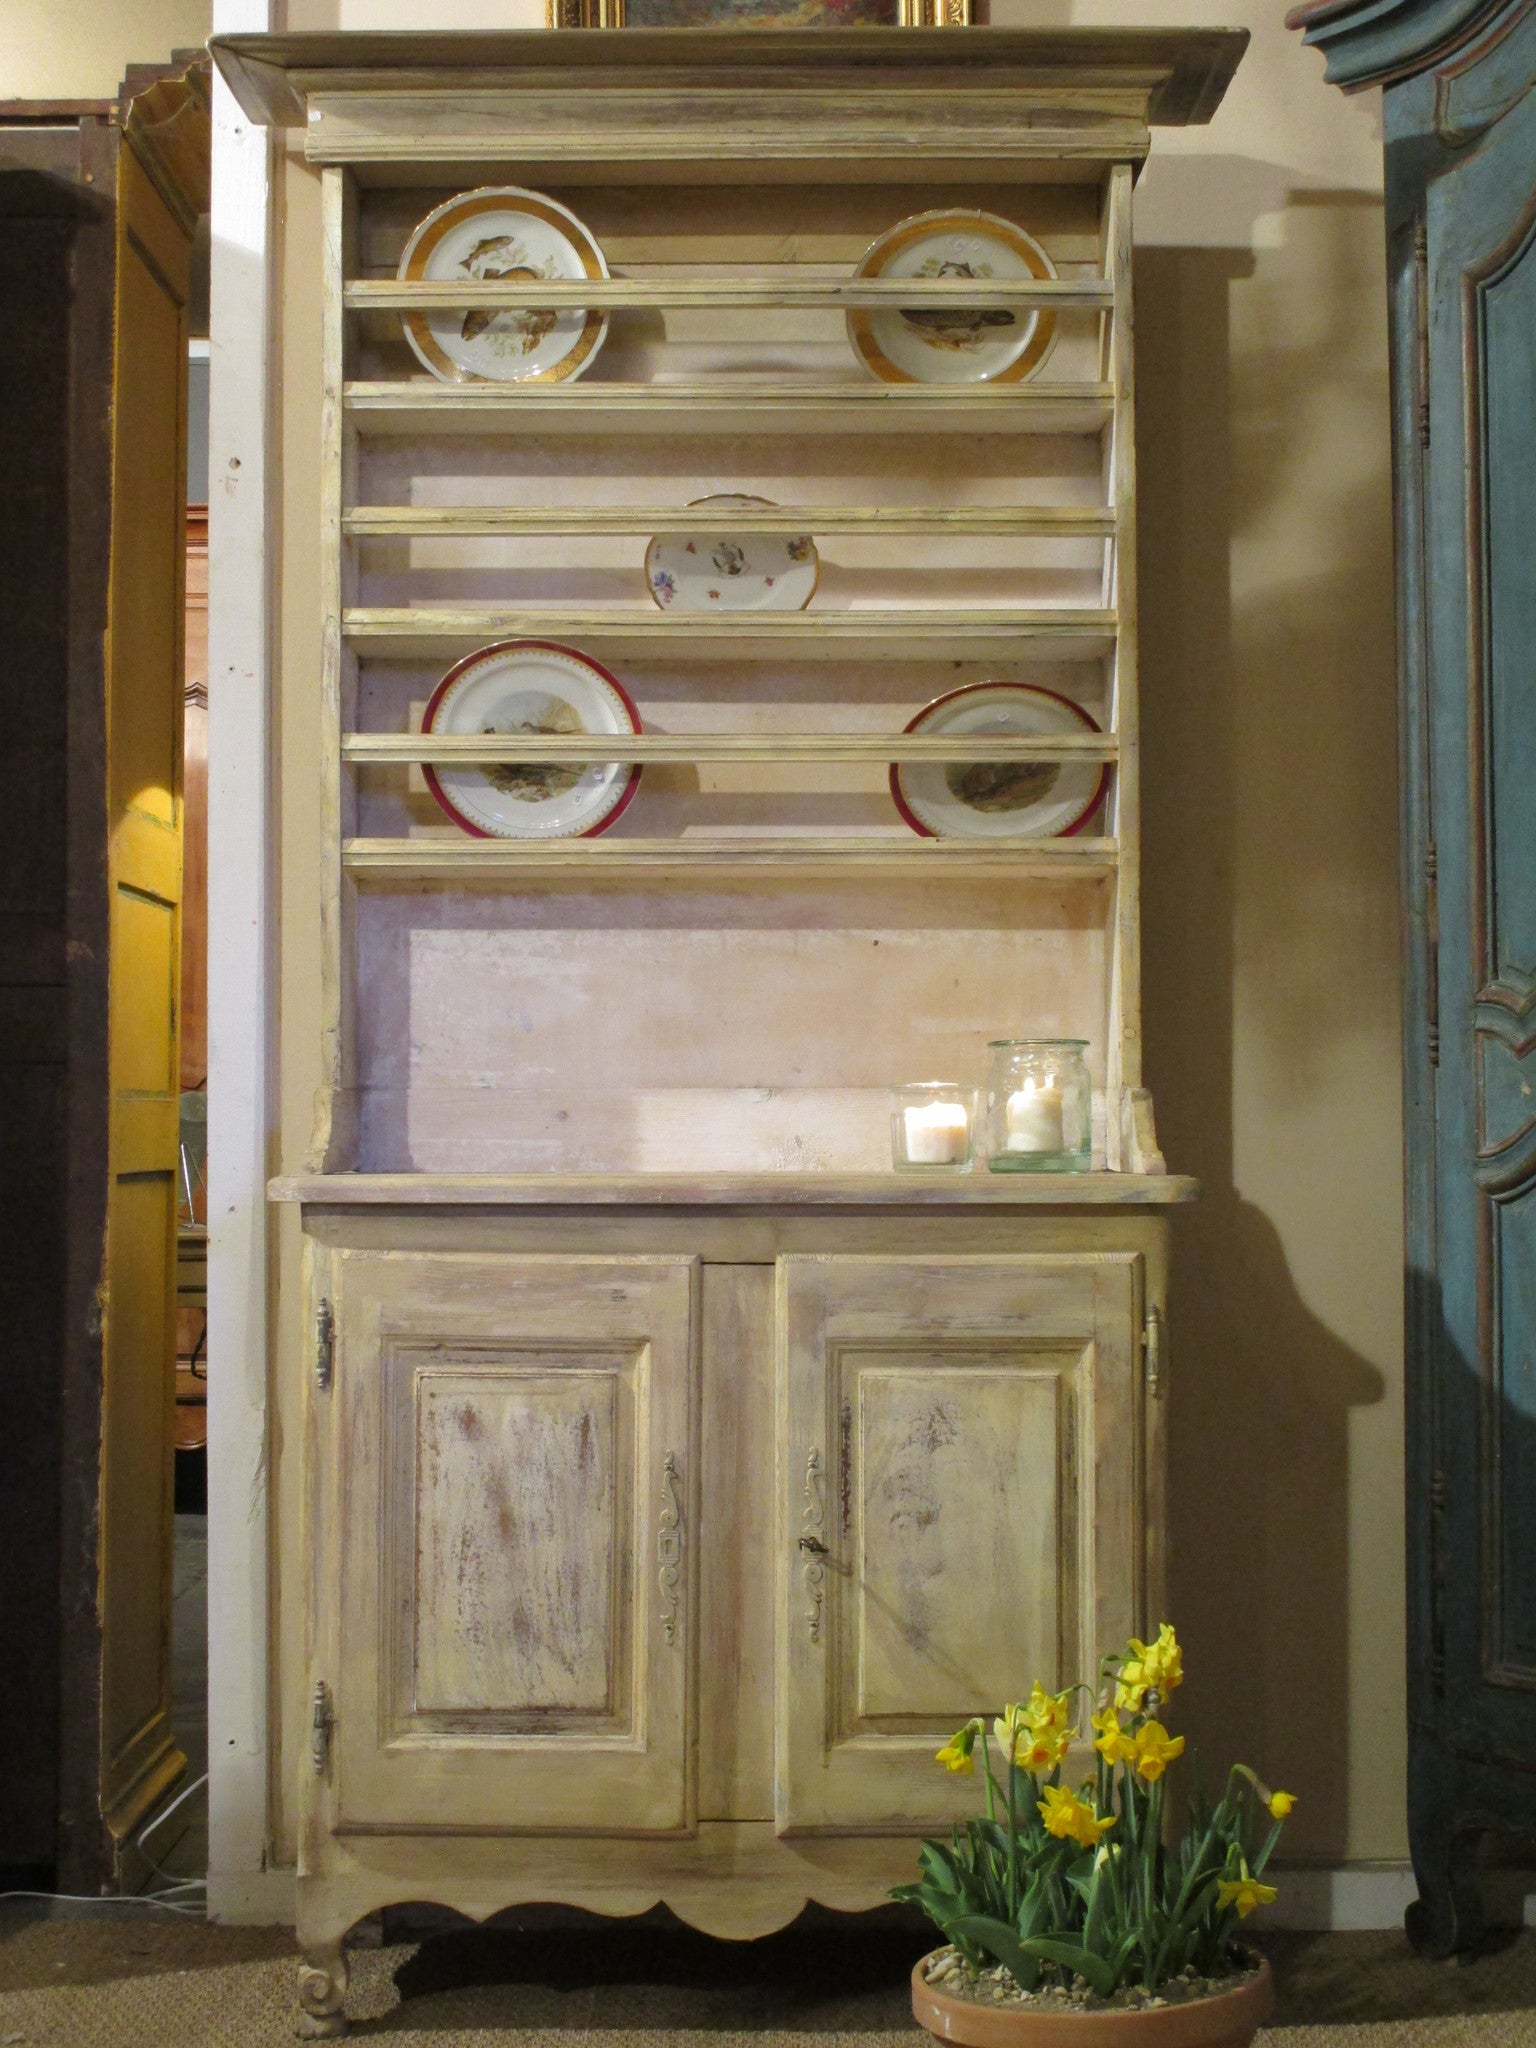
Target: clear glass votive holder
1039,1106
932,1127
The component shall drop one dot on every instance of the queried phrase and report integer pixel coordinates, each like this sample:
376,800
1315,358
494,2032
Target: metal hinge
325,1345
1152,1349
322,1723
1421,323
1432,949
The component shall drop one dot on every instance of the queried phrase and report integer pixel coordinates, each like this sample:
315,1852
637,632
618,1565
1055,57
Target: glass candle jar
1038,1106
931,1127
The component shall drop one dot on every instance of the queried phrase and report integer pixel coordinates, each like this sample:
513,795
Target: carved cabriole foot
1444,1832
322,1992
1446,1919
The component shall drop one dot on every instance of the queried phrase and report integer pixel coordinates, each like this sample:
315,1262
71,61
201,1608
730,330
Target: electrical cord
159,1822
113,1899
165,1899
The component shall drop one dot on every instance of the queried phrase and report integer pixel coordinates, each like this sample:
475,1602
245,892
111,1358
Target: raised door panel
1481,599
960,1492
510,1602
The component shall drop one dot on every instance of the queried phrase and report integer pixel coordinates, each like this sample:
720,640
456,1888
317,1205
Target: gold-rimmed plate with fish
999,799
960,344
503,234
539,688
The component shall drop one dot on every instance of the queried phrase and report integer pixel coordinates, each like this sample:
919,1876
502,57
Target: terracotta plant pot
1227,2019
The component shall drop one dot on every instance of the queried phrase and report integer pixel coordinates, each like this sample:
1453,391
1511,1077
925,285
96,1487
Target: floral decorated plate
999,799
532,686
503,233
937,345
721,571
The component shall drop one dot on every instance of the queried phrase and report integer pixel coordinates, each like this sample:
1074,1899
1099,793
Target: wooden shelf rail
514,858
1055,630
1071,522
467,749
745,404
741,294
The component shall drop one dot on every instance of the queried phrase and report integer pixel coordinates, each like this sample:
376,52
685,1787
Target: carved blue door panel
1459,80
1480,530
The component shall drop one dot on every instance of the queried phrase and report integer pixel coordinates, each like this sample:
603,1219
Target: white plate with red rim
960,345
720,571
503,234
533,687
999,799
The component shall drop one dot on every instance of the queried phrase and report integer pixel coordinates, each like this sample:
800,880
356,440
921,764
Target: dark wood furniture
56,340
1460,130
98,202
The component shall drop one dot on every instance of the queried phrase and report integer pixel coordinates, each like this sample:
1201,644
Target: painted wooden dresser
1460,79
676,1473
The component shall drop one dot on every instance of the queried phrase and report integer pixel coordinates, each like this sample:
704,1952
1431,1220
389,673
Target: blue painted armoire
1460,138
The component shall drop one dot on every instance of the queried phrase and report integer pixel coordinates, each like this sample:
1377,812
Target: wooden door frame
241,1038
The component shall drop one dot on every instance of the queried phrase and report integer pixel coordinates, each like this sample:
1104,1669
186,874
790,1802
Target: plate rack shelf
383,407
1072,503
649,1417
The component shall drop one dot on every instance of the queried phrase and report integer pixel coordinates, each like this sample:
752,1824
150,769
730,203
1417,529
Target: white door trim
240,1095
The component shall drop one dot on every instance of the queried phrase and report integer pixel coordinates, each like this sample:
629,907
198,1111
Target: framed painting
758,13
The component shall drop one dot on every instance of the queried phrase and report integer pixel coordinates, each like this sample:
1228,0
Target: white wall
77,50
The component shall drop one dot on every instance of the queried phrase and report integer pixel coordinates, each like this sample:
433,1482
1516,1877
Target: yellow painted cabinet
959,1492
505,1581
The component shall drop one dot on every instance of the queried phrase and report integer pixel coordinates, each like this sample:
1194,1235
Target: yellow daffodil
1130,1689
1156,1750
1042,1750
1281,1803
1047,1712
1149,1667
1011,1731
1072,1819
1037,1735
1167,1657
1110,1739
959,1753
1245,1893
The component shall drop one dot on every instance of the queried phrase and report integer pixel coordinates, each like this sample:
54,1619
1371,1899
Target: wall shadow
1270,837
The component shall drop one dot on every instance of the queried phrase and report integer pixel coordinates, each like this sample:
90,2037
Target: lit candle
1033,1117
937,1133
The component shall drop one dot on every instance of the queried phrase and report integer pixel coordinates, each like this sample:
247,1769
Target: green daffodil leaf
1001,1943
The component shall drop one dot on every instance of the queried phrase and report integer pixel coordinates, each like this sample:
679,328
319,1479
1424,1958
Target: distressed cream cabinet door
959,1492
509,1585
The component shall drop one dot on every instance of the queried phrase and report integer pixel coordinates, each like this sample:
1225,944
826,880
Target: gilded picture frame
758,13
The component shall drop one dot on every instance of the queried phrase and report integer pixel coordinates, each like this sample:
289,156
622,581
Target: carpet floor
150,1983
